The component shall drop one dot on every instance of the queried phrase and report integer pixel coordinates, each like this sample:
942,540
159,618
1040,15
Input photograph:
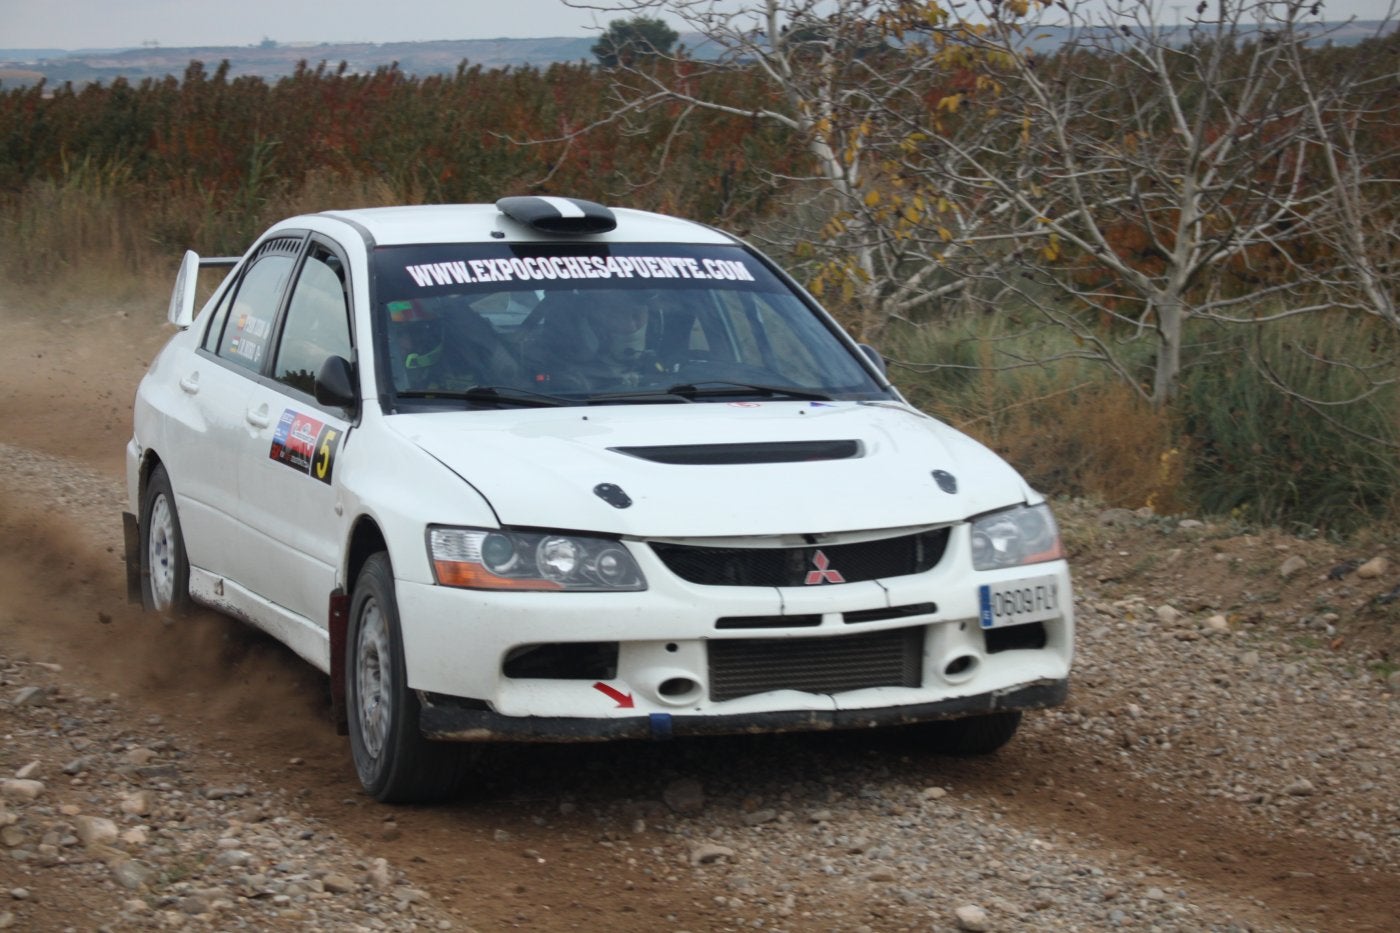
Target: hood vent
733,454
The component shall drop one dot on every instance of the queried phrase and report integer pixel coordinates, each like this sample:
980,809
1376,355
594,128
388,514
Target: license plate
1017,602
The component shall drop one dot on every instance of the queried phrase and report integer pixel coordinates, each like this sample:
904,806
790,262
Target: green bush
1069,426
1295,423
1299,424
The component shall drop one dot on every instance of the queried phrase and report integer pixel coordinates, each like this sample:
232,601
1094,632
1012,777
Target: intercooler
742,667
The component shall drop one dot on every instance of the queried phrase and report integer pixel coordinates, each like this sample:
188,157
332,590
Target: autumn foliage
942,175
210,159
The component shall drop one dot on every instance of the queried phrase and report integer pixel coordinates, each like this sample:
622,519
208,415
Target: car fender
371,470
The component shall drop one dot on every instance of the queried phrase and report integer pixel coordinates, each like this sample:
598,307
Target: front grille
800,621
808,565
894,612
858,617
742,667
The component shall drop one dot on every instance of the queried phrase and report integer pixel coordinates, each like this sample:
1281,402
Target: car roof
458,223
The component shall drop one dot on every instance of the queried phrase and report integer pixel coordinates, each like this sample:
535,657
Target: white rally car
548,471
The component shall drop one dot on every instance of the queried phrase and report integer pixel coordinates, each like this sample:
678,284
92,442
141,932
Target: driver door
290,504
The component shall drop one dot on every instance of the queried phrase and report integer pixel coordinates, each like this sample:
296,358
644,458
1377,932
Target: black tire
394,762
974,735
165,568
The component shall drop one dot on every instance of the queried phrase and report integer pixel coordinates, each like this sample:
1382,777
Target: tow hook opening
960,667
678,690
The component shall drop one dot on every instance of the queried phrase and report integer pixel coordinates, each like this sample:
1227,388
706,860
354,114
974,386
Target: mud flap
338,622
132,535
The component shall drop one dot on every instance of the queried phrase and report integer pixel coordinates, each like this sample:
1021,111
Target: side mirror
874,356
335,383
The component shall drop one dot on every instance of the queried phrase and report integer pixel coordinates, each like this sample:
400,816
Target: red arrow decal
624,700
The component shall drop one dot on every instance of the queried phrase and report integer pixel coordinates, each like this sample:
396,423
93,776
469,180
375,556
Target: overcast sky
75,24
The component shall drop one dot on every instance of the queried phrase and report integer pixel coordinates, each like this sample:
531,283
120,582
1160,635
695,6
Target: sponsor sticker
305,444
249,338
544,268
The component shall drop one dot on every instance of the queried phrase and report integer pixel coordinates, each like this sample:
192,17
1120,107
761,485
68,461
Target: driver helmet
415,333
620,320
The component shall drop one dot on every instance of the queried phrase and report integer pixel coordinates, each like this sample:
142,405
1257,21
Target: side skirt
302,635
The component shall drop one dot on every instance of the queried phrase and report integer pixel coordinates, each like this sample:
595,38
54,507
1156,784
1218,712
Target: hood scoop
734,454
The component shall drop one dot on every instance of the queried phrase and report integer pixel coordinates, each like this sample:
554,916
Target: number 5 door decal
305,444
325,454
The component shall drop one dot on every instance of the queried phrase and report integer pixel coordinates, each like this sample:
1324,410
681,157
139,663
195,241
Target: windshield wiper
645,395
722,389
505,395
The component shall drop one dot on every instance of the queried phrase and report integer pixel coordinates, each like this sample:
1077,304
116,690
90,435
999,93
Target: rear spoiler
181,312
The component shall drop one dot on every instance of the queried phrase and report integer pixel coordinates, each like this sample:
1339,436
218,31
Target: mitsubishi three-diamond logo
823,573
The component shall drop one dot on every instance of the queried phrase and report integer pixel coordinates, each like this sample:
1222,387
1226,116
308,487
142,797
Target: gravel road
1228,761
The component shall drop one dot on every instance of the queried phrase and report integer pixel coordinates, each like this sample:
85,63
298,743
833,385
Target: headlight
1025,534
484,559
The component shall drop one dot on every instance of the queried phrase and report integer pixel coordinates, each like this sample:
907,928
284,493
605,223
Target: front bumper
453,723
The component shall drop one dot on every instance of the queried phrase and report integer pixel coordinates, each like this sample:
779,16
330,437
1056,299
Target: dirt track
578,838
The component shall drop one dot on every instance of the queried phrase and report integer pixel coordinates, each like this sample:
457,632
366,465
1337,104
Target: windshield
497,324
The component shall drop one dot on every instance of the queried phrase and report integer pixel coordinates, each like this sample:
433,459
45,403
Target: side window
765,338
249,325
216,322
697,342
738,323
318,324
786,345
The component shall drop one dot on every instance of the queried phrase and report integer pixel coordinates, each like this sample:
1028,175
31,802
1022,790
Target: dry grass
1097,439
95,241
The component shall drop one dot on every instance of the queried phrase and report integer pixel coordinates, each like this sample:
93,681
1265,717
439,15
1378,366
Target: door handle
190,383
258,417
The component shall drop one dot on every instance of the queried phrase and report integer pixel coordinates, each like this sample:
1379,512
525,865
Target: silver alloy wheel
160,554
373,679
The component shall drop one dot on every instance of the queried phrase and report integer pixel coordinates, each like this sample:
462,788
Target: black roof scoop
558,215
613,495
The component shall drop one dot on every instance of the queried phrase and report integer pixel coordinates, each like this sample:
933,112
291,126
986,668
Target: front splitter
457,724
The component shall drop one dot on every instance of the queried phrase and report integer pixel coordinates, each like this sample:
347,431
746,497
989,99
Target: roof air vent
558,215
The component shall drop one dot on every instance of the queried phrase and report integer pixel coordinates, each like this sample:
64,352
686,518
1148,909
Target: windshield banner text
541,268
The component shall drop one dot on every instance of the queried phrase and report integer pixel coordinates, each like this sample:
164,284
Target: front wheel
974,735
393,760
165,568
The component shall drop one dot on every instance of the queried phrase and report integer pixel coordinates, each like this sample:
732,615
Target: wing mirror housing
335,383
874,356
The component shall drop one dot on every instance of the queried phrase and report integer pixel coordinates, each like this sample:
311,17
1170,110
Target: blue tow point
660,725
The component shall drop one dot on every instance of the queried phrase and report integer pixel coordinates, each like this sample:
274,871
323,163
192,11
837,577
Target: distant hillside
21,67
273,61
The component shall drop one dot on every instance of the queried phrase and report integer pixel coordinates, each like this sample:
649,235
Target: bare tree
1167,175
1353,123
836,73
1131,179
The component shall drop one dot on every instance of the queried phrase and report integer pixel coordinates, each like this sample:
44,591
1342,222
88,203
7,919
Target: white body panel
538,468
271,544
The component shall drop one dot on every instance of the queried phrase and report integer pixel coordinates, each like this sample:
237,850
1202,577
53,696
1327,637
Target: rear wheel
165,569
393,760
974,735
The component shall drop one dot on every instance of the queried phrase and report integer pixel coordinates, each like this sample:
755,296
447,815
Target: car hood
562,468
